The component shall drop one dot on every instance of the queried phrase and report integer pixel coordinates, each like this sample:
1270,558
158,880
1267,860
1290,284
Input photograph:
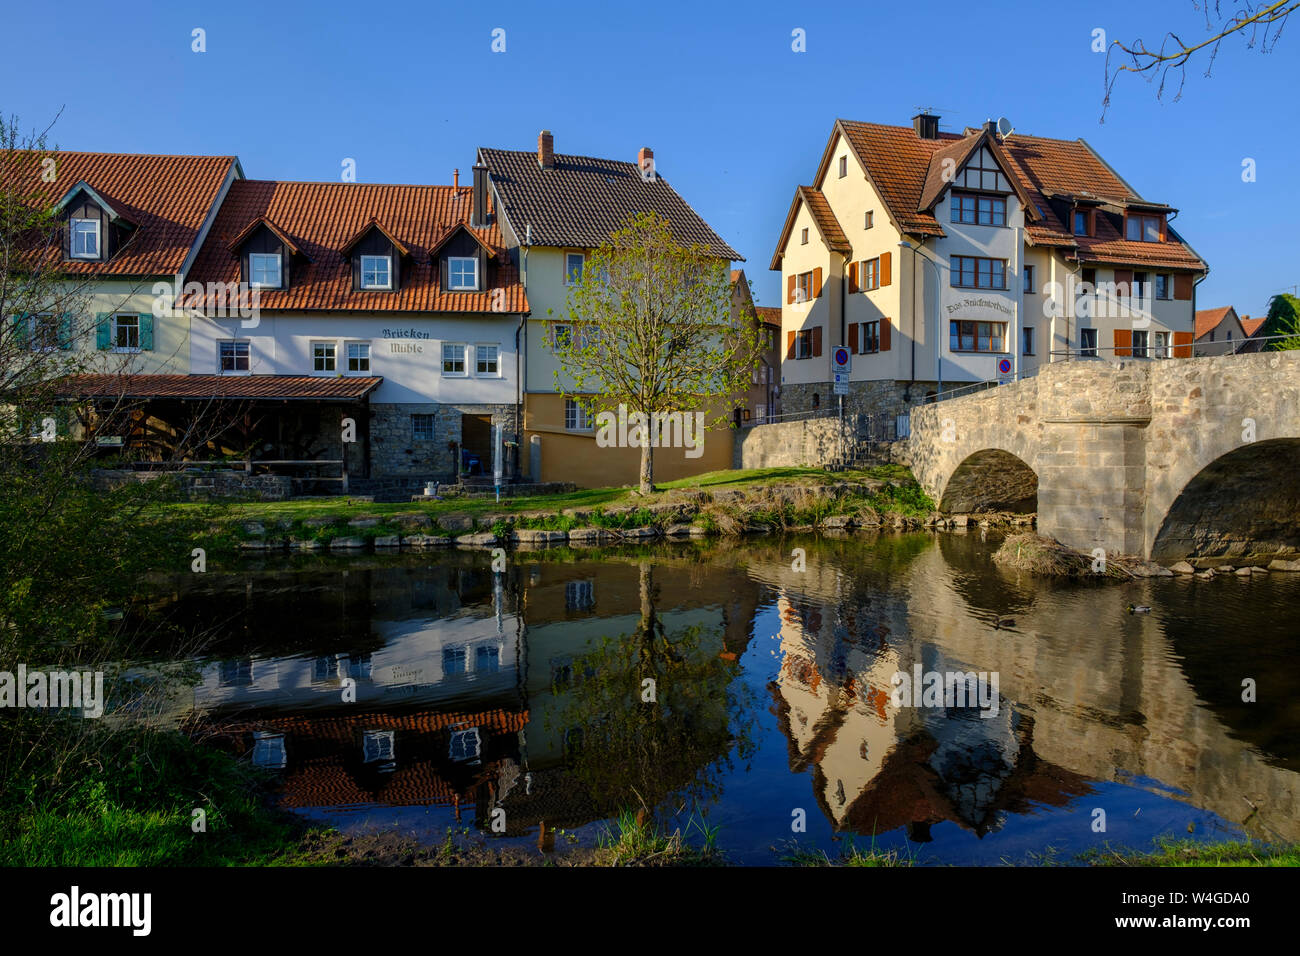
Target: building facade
941,259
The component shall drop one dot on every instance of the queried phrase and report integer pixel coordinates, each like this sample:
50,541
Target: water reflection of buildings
444,697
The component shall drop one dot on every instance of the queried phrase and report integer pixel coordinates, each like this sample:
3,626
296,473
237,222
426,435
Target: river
751,684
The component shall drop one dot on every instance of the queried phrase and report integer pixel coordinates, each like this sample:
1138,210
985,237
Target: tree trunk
647,468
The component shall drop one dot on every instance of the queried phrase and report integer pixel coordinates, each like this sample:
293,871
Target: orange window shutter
1123,343
817,283
884,268
789,289
1183,285
817,341
885,325
1183,344
853,337
853,277
790,338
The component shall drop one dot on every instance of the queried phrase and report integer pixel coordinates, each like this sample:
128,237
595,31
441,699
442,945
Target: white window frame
556,334
125,349
582,420
235,344
496,360
451,281
269,751
378,746
464,360
72,243
333,358
34,341
433,426
252,270
568,268
388,271
368,358
467,743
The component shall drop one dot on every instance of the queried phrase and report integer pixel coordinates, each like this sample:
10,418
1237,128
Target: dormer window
1081,218
264,270
462,273
376,272
1142,228
85,238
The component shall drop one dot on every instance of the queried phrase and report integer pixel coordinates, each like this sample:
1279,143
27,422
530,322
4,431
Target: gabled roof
960,151
229,387
325,217
828,227
379,227
580,201
903,168
457,229
1207,319
769,314
168,199
258,223
84,187
1252,326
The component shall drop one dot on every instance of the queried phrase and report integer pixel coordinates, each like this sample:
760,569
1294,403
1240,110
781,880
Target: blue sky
736,118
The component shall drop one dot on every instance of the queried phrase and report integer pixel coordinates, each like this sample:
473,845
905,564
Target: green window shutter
146,331
20,330
65,330
103,330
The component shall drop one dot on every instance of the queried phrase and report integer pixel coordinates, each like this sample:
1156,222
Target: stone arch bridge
1163,459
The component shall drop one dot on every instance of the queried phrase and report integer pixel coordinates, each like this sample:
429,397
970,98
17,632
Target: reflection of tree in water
628,749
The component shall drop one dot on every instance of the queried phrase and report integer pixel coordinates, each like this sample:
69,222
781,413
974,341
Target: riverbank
723,503
1040,555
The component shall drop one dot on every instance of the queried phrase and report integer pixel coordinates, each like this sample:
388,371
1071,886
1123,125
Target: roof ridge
330,182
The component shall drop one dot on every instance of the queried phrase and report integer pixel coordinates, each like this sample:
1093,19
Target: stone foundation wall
394,451
808,443
884,397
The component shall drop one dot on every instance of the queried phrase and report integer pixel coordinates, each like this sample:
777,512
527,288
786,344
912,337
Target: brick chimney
545,149
645,159
926,125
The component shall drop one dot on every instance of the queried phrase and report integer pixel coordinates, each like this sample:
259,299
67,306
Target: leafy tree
1283,319
654,330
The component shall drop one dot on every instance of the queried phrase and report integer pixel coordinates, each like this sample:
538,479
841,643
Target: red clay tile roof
1251,326
287,387
769,313
823,218
321,218
1207,319
581,201
167,197
901,166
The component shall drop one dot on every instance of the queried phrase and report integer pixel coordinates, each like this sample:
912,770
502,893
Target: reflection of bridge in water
1073,710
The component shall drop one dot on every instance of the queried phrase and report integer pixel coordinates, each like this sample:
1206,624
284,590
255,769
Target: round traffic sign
841,356
1004,366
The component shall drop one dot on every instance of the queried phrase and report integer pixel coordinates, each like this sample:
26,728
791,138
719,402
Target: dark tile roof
290,387
166,197
322,218
581,201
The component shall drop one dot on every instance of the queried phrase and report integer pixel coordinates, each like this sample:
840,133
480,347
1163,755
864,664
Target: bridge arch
1245,503
991,479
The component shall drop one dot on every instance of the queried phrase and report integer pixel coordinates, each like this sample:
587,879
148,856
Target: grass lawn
341,507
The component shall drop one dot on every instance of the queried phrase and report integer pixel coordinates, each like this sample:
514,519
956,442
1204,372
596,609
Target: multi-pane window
462,272
1142,228
981,173
487,360
85,238
1160,344
803,344
1141,340
869,337
560,334
376,272
972,272
975,209
487,658
232,356
453,359
1141,286
803,287
377,746
576,418
1088,343
453,660
421,427
358,356
264,270
1081,220
1162,286
573,262
966,336
324,357
579,595
870,274
464,745
43,332
126,332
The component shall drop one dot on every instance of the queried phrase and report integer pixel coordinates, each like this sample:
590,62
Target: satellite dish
1004,127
